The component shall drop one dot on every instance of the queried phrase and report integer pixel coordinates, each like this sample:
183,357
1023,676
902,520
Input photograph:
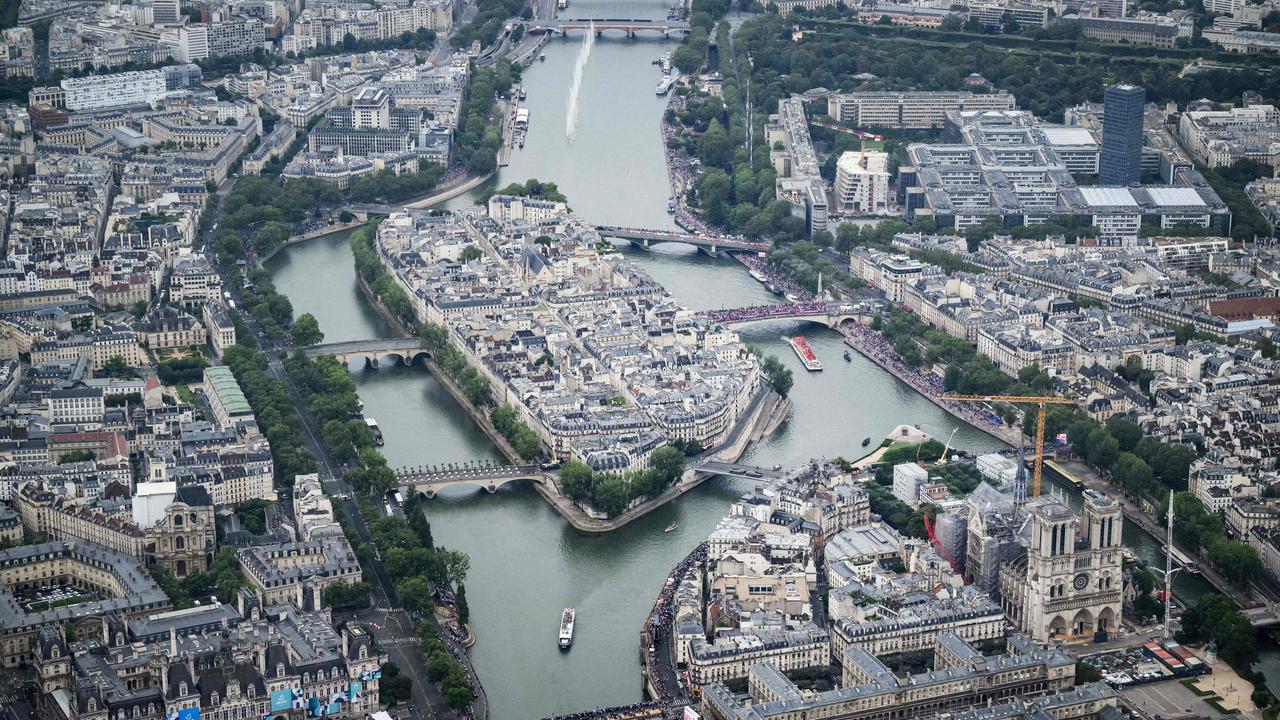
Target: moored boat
374,430
567,619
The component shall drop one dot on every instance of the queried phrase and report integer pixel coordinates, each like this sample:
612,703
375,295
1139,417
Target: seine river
526,563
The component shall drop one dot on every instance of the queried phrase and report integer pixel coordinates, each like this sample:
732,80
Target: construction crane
947,449
1039,400
846,130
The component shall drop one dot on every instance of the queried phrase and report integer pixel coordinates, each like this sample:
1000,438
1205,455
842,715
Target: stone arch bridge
832,315
430,480
372,353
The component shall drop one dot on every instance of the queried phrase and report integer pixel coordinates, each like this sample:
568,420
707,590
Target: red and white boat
805,353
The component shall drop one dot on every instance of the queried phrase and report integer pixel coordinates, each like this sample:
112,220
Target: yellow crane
1039,400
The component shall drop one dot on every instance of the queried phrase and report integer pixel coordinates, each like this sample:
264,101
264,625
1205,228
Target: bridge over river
833,315
631,26
710,244
429,480
404,351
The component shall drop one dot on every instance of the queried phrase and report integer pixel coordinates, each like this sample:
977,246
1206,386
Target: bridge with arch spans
429,480
710,244
631,26
828,314
372,353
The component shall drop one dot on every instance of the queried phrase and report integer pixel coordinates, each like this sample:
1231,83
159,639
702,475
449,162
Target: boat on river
566,628
805,353
667,81
773,288
866,441
847,356
671,527
759,276
374,430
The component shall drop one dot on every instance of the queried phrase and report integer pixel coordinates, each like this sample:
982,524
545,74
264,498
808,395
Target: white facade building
95,92
907,479
862,182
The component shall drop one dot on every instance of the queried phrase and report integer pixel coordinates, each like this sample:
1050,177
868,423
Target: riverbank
1144,520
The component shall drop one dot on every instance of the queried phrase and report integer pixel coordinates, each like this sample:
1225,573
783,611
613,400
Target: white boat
664,85
566,628
759,276
375,430
671,527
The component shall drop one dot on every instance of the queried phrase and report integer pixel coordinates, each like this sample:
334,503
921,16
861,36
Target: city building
298,572
962,678
1067,583
799,180
1121,162
862,182
170,526
1219,138
910,110
119,583
124,89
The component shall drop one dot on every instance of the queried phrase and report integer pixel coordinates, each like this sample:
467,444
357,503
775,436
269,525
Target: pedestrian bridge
599,25
831,315
372,353
429,480
710,244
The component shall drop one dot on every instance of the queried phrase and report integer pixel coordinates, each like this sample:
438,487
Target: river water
526,563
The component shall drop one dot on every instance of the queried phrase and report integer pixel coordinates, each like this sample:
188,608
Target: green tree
464,612
1103,449
116,367
576,480
1125,431
306,330
414,593
668,464
777,375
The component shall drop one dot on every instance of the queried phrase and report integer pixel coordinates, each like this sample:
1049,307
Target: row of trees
523,439
531,188
611,493
393,297
478,135
1201,531
804,264
274,410
435,338
488,22
417,565
387,186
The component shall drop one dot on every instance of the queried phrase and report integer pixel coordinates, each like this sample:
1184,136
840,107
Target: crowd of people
772,276
662,674
637,711
682,172
874,345
764,312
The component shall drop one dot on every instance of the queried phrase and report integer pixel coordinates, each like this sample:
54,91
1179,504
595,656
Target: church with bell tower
1068,583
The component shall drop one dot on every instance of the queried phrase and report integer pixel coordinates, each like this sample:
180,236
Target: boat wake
579,67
